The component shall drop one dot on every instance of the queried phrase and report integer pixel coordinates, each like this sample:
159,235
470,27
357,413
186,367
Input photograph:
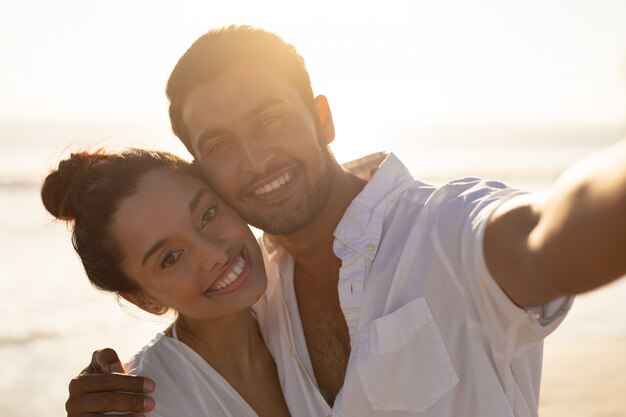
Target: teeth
274,185
231,277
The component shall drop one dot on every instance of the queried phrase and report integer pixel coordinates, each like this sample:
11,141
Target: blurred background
501,89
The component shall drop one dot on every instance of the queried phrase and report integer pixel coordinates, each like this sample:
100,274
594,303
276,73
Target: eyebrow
193,205
151,251
211,133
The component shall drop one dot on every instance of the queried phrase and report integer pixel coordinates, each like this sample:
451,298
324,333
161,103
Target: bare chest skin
262,390
325,331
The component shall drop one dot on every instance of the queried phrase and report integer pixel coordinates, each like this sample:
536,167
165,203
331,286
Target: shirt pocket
402,361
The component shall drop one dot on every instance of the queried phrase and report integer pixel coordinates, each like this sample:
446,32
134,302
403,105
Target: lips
231,278
274,185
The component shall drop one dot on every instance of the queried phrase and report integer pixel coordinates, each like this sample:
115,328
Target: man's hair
211,55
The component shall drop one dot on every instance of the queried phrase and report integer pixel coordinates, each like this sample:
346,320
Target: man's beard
302,214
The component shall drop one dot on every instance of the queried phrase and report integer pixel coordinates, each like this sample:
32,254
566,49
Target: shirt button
370,247
293,352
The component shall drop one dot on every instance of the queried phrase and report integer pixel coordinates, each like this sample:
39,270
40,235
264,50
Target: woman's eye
171,259
208,216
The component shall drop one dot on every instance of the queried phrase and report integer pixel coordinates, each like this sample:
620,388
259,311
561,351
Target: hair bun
63,189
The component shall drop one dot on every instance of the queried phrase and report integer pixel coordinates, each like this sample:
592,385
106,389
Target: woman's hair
86,190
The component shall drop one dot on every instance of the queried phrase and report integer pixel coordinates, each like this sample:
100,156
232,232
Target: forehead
162,185
160,202
236,92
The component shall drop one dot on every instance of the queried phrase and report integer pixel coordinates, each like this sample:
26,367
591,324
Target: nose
212,253
255,156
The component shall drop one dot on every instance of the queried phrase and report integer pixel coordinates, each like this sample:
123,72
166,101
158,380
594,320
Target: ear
144,302
325,119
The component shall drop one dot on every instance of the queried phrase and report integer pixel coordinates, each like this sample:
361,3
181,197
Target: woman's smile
233,277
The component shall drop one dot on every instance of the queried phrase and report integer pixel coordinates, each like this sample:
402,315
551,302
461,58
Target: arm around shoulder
567,241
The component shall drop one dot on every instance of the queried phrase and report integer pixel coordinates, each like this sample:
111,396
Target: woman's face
186,249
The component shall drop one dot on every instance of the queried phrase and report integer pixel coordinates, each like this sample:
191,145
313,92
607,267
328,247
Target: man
404,299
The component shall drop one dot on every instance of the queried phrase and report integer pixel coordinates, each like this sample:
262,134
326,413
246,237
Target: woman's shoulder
186,386
148,356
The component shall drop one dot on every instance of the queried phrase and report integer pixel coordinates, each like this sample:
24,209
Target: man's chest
326,334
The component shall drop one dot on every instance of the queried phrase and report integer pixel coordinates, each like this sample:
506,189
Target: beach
52,319
508,91
584,371
584,379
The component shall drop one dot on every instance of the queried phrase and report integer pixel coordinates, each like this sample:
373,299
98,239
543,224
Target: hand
102,387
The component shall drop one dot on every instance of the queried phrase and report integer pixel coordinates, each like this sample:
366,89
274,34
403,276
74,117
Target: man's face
261,148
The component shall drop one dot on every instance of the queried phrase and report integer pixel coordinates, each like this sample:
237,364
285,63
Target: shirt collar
361,225
271,248
380,170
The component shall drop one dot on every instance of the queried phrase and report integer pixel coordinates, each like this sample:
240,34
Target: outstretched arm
566,241
102,388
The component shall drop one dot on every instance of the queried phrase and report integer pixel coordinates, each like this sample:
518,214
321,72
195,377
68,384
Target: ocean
52,319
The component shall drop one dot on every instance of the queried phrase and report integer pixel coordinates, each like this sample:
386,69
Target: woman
146,228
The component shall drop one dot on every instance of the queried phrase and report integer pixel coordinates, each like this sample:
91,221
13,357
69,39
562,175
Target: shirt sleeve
464,210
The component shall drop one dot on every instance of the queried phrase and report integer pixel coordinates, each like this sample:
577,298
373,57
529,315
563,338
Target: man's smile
274,184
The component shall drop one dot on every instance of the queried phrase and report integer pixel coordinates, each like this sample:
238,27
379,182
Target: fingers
104,360
87,383
91,394
100,402
107,415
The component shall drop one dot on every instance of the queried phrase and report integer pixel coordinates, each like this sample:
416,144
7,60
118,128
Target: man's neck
312,246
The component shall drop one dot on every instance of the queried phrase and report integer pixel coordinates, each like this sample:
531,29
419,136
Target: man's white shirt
431,332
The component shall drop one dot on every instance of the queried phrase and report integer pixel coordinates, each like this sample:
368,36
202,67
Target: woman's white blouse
187,386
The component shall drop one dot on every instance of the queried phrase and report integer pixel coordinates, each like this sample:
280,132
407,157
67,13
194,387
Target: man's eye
208,215
270,119
217,145
171,259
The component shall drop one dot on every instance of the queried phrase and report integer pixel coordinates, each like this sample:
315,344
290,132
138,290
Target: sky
390,63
